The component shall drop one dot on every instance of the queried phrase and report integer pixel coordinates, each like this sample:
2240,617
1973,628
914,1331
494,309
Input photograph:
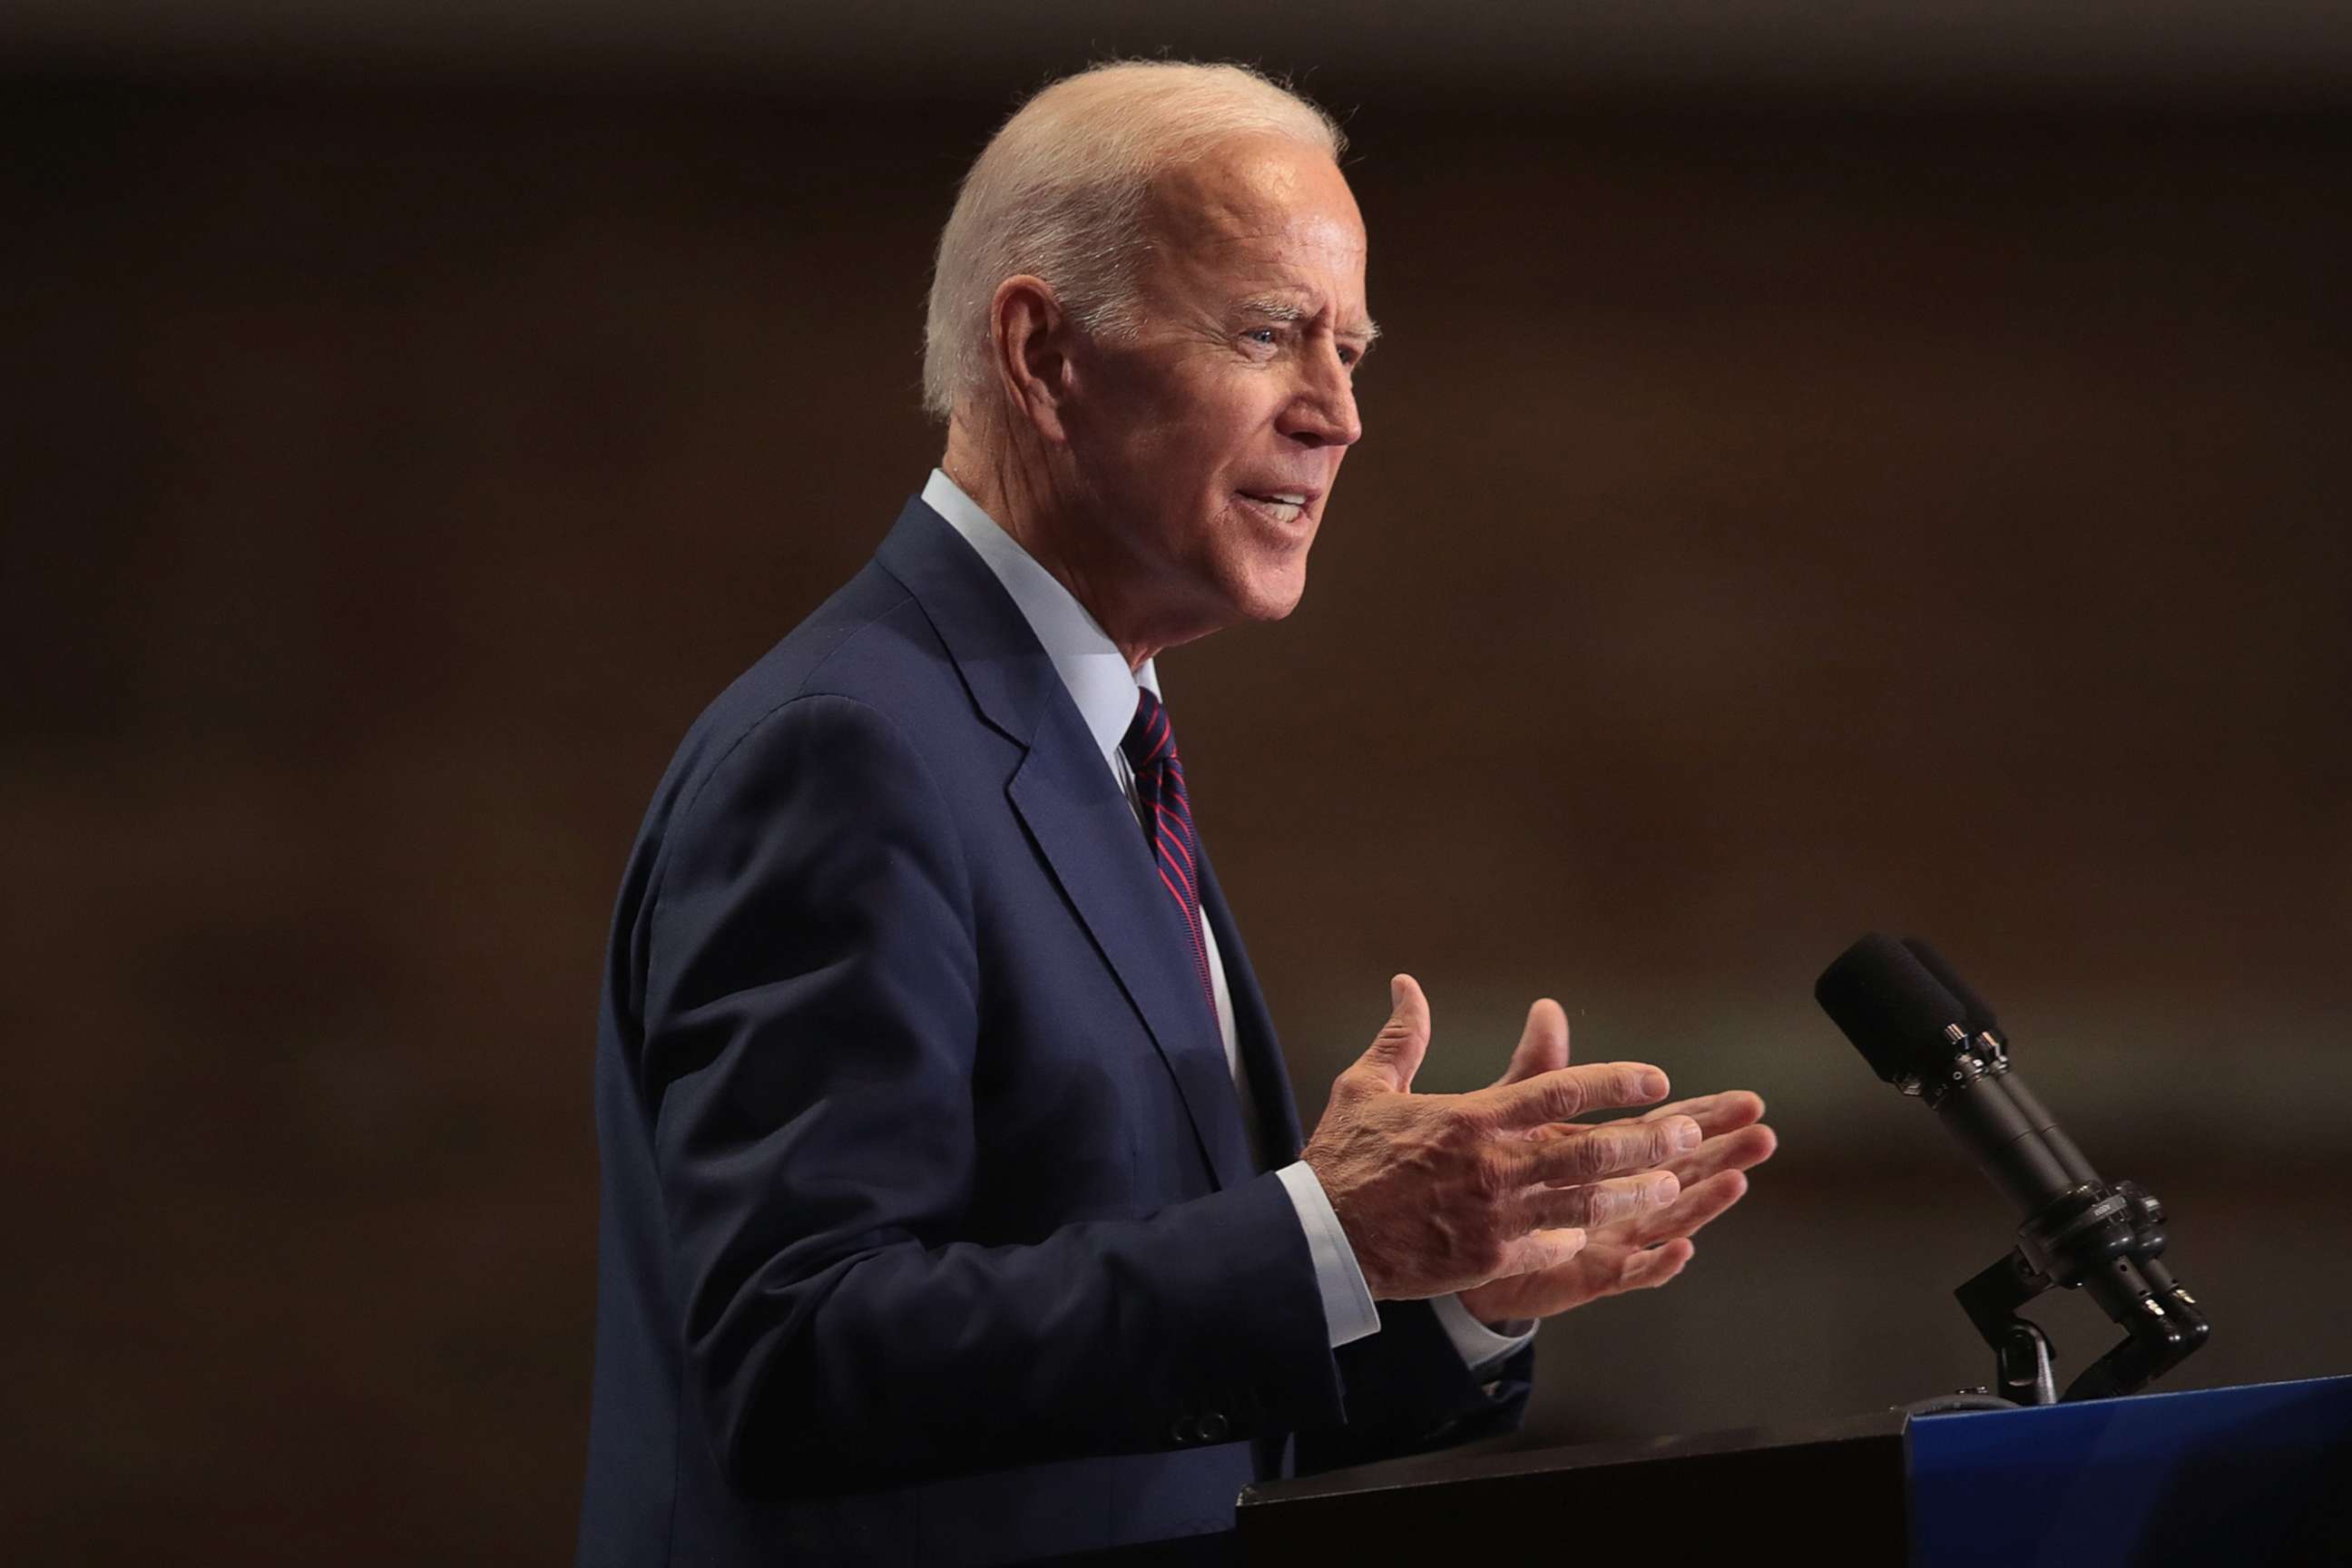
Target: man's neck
1020,503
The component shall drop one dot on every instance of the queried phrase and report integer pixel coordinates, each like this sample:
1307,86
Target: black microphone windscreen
1981,1019
1892,1010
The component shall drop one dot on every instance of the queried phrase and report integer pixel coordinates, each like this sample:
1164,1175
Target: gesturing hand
1443,1192
1640,1250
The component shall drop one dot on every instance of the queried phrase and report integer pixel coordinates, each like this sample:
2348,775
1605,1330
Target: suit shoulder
871,643
869,637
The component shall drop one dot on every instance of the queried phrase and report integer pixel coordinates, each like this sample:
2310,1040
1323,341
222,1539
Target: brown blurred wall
1772,525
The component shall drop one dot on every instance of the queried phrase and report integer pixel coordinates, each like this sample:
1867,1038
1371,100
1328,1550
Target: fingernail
1653,1083
1666,1190
1686,1134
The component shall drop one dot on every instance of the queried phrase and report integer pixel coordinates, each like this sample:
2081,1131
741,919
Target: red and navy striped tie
1150,748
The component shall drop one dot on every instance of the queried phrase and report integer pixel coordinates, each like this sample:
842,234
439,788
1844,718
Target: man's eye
1261,335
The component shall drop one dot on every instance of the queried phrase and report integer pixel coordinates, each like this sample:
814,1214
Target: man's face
1205,447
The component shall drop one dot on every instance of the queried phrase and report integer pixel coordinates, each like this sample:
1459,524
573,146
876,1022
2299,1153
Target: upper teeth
1288,498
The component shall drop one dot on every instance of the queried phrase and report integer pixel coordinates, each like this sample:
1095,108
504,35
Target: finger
1651,1267
1740,1151
1396,1051
1568,1092
1591,1153
1596,1204
1716,1113
1698,1207
1543,1044
1541,1249
1726,1111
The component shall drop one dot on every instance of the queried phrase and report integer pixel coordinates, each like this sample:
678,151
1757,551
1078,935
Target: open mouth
1282,506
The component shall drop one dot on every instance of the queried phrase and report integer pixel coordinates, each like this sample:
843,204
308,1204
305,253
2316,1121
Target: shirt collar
1088,662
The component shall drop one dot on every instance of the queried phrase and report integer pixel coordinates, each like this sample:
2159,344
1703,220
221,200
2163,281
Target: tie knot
1149,741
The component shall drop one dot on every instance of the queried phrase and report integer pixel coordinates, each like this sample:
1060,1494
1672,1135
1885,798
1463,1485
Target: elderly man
956,1208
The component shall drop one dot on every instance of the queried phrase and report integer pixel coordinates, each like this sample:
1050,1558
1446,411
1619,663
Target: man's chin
1271,595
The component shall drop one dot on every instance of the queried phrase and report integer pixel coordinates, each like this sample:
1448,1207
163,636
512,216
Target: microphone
2145,1212
1915,1034
1923,1029
1986,1027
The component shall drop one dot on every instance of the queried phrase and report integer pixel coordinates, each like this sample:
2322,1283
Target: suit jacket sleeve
1409,1391
811,1014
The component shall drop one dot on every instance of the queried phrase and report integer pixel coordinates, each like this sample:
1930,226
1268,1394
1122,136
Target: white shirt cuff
1480,1346
1347,1311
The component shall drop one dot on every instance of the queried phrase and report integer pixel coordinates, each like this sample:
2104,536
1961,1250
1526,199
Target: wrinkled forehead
1268,209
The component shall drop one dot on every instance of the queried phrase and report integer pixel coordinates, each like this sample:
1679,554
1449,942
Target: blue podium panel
2224,1476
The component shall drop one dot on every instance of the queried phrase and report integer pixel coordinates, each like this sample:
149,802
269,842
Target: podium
2228,1475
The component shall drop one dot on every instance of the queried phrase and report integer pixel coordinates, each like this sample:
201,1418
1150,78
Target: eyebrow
1280,307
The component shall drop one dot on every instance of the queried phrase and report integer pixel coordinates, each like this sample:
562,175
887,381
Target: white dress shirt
1104,688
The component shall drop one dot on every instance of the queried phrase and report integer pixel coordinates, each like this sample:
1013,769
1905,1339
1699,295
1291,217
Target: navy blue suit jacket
931,1232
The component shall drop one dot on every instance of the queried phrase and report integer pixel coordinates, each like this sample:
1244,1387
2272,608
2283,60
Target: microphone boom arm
1927,1032
2106,1240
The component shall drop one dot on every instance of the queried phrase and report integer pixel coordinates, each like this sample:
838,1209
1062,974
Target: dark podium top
2236,1476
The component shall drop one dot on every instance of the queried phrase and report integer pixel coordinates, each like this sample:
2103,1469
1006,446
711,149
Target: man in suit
956,1206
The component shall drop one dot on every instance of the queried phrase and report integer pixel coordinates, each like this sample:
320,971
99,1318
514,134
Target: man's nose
1324,412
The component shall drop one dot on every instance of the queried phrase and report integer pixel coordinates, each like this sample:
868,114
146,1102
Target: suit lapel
1261,1055
1080,822
1087,833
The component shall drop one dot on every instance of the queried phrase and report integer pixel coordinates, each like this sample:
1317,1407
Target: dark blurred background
1879,467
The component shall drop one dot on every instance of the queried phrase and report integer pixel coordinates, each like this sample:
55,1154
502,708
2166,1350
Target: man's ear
1031,334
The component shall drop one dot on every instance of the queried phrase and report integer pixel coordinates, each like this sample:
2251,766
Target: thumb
1396,1051
1543,1045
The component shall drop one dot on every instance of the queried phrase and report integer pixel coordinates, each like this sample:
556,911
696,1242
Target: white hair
1058,194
